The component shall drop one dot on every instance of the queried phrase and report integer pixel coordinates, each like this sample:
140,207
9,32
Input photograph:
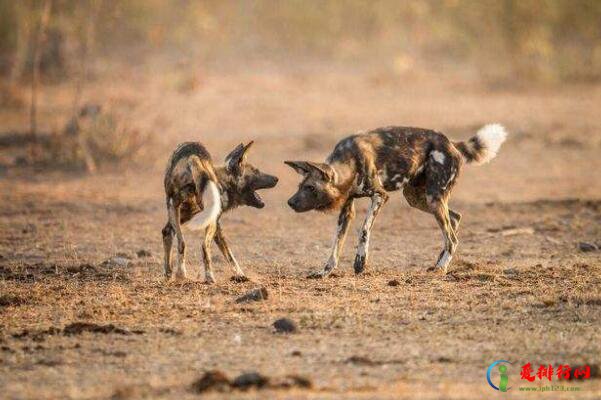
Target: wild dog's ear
324,171
234,160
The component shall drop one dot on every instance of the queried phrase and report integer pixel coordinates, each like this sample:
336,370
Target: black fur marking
185,150
359,265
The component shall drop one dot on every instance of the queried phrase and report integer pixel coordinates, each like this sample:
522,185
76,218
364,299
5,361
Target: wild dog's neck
345,179
227,187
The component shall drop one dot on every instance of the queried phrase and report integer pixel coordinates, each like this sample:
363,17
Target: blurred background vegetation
548,41
57,56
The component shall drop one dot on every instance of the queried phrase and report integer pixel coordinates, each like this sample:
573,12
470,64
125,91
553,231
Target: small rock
586,247
142,253
296,353
211,380
291,381
249,380
30,228
257,294
7,300
285,325
132,392
239,279
393,282
77,328
21,161
118,261
360,360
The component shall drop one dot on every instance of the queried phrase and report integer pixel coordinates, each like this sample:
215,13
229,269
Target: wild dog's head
243,179
318,189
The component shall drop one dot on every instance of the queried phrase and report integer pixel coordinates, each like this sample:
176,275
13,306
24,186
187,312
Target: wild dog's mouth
254,200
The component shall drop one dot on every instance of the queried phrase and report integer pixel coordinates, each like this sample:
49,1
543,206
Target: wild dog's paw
317,275
437,270
359,264
209,280
180,277
239,278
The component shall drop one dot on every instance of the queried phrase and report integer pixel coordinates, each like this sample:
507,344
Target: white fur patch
445,260
212,208
438,156
402,183
383,176
362,250
491,137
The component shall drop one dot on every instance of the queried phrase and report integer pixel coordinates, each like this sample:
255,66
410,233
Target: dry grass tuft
8,300
91,140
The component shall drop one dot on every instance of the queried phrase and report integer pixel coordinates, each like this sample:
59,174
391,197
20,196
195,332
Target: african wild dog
198,193
424,163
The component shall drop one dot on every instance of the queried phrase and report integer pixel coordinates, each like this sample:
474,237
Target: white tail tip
491,137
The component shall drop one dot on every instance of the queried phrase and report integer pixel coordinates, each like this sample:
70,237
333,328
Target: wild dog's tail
484,146
207,192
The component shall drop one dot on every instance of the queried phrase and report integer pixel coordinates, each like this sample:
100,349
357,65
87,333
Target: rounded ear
299,166
237,157
323,171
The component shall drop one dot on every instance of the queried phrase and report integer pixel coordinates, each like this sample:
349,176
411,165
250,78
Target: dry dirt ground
519,289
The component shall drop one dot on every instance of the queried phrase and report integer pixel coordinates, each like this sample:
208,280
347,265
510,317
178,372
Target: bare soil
519,289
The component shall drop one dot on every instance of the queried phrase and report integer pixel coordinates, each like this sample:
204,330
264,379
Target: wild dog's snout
292,203
269,181
296,203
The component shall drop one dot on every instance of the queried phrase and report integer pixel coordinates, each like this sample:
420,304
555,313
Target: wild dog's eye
311,189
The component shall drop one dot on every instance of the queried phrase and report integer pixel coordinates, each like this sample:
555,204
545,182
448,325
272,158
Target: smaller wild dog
424,163
197,193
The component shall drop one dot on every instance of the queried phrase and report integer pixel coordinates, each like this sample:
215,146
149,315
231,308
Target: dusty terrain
519,289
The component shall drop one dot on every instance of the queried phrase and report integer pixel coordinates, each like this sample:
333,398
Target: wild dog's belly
188,209
394,175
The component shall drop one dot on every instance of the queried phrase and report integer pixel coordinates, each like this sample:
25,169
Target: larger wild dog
424,163
197,193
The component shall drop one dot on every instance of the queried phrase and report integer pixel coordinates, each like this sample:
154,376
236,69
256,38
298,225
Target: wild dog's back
188,170
396,153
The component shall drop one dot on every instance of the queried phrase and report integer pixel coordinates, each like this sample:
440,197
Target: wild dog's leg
416,197
168,234
455,220
227,253
377,200
174,221
441,213
206,252
347,213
